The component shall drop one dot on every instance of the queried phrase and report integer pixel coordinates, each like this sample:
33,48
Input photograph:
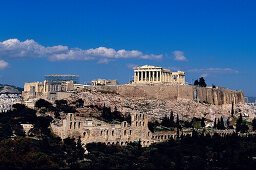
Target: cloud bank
215,70
211,71
13,48
3,64
179,56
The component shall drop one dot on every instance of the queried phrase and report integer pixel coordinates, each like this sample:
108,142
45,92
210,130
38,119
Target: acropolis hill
158,88
153,94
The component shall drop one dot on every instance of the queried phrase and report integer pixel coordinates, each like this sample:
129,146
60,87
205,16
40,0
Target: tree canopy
200,83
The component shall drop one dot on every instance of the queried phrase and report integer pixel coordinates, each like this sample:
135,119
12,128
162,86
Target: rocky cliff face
217,96
159,103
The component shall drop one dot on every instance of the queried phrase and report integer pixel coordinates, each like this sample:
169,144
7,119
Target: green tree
79,103
202,122
62,105
239,123
43,103
80,149
165,121
254,124
232,109
196,83
202,82
220,124
152,125
228,124
172,124
215,123
41,125
18,106
178,122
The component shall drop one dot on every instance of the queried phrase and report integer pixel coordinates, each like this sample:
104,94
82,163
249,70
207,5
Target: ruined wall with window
93,130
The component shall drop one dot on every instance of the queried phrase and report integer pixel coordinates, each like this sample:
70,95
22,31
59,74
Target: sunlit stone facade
151,74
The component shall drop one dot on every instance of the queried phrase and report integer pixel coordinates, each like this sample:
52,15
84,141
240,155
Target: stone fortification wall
217,96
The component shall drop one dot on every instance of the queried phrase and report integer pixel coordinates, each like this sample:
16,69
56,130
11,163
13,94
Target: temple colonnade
151,76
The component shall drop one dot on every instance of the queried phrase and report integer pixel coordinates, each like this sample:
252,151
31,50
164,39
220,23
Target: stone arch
130,132
112,132
74,125
70,125
84,134
124,132
136,123
143,123
108,143
143,117
122,143
124,124
140,124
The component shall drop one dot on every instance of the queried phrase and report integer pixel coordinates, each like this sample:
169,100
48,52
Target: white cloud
207,71
179,56
204,75
3,64
132,65
13,48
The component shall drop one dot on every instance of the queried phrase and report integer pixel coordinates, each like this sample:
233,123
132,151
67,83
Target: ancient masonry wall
217,96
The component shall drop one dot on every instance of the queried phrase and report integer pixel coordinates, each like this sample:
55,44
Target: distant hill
4,88
251,99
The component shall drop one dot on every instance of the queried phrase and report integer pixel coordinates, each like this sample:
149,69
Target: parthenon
152,74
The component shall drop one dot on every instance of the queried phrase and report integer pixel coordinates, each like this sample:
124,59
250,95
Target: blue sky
215,39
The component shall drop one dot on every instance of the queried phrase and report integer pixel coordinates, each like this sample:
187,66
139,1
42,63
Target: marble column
134,76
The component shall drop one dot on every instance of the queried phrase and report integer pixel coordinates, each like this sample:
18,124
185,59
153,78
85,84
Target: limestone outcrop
158,101
216,96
